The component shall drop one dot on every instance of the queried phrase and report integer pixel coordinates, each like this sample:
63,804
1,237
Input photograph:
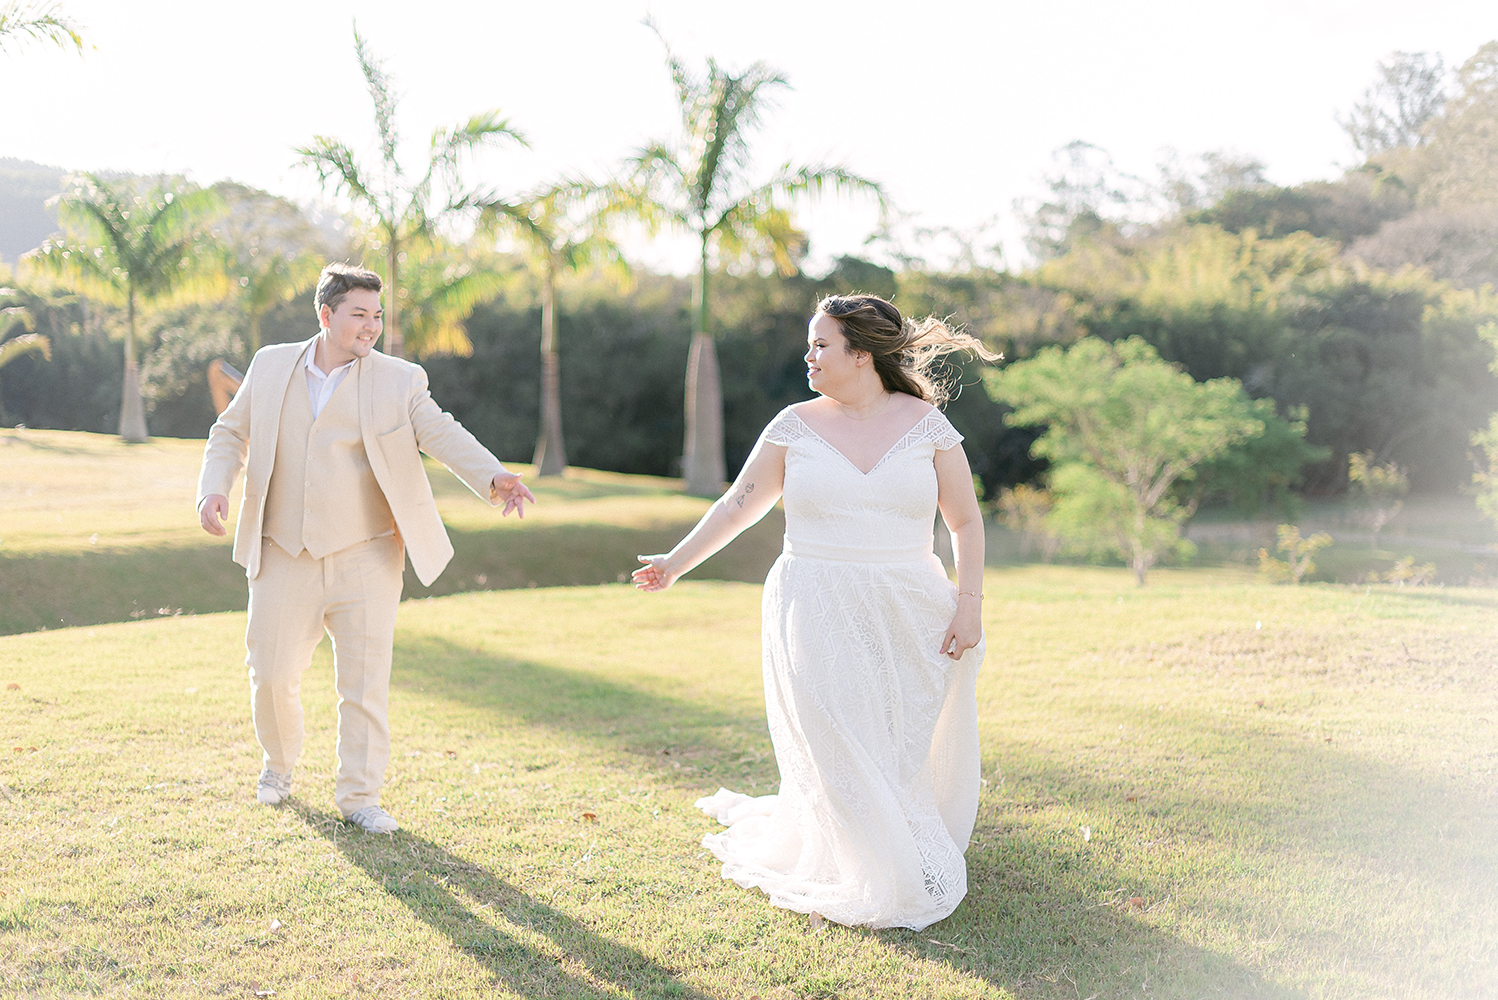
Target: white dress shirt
320,387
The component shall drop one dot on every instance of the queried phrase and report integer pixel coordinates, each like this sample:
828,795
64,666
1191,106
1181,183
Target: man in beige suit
335,495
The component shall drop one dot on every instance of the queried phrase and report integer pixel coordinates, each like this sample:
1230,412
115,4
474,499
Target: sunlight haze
955,107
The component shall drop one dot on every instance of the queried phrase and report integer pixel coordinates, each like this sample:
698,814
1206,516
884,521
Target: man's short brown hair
337,280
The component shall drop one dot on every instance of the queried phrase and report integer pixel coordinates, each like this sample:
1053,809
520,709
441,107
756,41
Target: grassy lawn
1210,787
93,530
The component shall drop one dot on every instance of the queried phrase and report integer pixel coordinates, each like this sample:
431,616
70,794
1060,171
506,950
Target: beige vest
322,495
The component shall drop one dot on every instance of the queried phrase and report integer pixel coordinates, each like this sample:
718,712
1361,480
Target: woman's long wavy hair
907,355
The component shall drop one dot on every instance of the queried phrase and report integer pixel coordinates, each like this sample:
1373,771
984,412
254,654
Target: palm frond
688,89
26,343
38,22
440,292
515,217
335,162
713,133
741,111
654,189
385,101
273,279
790,183
92,270
770,235
16,314
448,147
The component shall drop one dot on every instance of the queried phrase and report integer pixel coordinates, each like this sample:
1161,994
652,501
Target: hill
25,219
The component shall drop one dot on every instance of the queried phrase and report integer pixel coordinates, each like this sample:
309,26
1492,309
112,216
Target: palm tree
19,314
403,214
564,226
268,252
135,249
38,22
699,184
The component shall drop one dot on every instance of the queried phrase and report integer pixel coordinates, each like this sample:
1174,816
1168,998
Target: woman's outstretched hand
653,576
966,629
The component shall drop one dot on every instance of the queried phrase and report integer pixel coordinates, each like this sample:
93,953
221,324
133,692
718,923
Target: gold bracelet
969,593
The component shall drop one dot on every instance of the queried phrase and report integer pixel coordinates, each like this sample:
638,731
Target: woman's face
829,363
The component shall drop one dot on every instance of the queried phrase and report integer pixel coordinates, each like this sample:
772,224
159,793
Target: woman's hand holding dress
966,629
958,504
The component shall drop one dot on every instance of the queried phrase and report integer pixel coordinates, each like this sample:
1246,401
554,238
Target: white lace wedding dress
875,732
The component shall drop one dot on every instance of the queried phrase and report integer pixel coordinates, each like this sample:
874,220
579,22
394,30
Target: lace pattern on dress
933,427
787,428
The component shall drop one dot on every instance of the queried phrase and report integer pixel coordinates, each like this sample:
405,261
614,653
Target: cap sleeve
785,428
933,427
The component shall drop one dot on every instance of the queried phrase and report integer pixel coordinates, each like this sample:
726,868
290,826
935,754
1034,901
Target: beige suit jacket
397,418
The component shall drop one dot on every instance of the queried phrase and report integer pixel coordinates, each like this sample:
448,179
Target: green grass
1208,787
93,530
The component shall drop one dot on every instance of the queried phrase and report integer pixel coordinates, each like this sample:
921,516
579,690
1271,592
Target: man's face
351,330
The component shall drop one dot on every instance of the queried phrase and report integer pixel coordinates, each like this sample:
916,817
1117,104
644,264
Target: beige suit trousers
353,594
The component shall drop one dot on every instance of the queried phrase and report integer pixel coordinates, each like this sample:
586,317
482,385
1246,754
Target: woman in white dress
870,653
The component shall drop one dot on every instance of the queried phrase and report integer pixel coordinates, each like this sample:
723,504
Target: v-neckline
854,465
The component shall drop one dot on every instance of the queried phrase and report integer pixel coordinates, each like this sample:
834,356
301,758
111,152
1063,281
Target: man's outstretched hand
213,512
507,487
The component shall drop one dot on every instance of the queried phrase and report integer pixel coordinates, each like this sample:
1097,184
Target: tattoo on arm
748,489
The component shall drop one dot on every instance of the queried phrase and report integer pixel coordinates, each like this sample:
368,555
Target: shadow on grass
681,741
62,590
567,555
1334,840
485,917
1031,919
1028,926
34,443
1474,597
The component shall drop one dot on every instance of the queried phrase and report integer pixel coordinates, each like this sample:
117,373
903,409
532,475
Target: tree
1389,363
700,184
1298,552
1485,479
1462,156
404,215
1026,509
1085,195
1378,489
13,316
269,256
38,22
563,226
1395,112
1261,472
1216,174
1122,426
135,247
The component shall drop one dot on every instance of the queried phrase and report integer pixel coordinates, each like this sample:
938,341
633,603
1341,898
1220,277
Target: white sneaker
373,819
273,788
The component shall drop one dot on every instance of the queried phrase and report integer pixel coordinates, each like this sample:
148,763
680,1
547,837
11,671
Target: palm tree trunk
551,455
132,409
702,461
394,345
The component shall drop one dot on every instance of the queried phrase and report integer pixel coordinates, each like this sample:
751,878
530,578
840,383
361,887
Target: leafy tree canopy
1122,427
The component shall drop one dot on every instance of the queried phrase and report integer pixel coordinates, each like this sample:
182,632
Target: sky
956,107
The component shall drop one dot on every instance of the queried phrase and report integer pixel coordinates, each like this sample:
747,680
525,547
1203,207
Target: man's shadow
488,919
